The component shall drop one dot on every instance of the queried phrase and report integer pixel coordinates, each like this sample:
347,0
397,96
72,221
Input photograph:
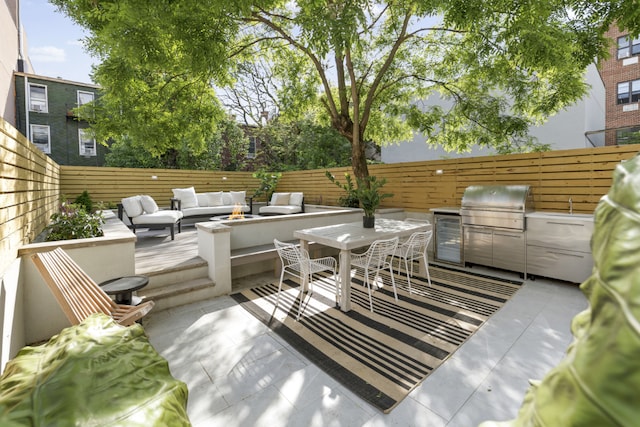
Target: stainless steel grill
496,206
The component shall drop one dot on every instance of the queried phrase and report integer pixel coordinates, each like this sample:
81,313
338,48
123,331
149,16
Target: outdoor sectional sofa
204,205
142,211
284,204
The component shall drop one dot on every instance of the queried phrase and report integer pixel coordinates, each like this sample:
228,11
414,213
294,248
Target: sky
54,42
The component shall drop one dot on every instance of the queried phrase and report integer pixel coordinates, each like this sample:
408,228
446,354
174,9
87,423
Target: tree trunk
359,157
344,126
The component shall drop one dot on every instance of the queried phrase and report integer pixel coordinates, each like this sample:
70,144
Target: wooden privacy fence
584,175
28,192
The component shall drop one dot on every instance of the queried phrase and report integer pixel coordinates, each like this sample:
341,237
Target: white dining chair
297,262
414,248
378,257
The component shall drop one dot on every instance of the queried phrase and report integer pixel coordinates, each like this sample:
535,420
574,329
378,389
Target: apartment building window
629,92
85,97
627,47
629,135
38,98
87,143
251,153
40,136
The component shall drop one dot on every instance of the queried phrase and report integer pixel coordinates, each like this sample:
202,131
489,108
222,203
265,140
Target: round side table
123,287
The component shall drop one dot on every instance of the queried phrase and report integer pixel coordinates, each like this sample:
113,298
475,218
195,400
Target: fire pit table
233,218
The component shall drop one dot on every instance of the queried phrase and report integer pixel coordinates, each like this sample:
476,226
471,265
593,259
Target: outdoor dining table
346,237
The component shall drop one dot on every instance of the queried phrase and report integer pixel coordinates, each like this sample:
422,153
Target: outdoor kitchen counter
558,245
559,215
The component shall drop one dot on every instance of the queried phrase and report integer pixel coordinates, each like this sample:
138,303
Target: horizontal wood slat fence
29,192
109,185
584,175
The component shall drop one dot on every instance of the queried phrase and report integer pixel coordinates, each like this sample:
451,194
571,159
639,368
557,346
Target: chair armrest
176,204
120,211
302,205
250,204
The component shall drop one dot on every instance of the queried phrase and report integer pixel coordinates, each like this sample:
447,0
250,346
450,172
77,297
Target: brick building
621,76
44,115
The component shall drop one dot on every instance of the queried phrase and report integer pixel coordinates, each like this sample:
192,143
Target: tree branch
385,66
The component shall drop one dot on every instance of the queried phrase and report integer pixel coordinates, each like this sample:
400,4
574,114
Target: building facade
621,76
578,126
44,114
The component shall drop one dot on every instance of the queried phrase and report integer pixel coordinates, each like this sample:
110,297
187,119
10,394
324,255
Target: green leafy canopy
365,66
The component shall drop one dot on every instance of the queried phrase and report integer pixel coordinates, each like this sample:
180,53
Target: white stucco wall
8,59
565,130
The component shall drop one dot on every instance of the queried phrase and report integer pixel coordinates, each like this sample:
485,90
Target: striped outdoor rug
381,356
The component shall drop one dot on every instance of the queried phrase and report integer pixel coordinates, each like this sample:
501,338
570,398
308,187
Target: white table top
353,235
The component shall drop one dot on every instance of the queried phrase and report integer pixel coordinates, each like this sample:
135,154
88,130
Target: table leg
124,298
345,280
305,280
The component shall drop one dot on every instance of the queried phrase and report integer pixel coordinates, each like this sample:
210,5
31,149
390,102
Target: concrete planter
102,258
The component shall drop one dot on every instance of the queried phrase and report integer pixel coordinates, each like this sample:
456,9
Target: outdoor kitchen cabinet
558,246
493,247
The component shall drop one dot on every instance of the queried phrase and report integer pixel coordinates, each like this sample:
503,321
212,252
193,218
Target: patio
240,373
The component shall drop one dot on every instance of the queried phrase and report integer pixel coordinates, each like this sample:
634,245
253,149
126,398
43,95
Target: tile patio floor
239,373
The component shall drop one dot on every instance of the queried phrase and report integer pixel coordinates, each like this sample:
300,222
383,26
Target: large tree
503,64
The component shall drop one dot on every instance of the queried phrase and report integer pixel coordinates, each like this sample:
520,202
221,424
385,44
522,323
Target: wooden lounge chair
78,295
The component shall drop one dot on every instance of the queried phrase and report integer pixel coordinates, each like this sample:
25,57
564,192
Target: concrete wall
102,258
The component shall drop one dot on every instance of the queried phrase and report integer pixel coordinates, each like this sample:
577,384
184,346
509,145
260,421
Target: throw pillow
148,204
187,197
281,199
238,197
215,198
132,206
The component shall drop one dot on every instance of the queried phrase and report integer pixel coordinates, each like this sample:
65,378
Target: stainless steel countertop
560,216
446,210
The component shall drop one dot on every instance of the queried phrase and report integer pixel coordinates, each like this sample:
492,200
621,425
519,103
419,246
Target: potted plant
370,197
350,200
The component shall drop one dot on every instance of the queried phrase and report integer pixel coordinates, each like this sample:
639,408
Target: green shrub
84,200
74,222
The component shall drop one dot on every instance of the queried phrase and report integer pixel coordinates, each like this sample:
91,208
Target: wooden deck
155,251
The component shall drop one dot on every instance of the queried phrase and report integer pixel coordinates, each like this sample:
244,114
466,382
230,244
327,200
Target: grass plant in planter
370,196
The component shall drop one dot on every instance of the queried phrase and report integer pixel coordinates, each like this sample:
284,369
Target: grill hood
500,206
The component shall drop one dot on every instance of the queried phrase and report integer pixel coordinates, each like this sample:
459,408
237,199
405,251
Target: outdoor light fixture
439,171
224,178
154,177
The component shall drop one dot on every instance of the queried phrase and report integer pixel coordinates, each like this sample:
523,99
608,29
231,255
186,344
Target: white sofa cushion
159,217
132,206
203,199
148,204
227,200
214,198
187,197
238,197
296,199
280,210
280,199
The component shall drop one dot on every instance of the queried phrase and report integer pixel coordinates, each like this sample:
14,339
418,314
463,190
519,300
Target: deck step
195,268
180,293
